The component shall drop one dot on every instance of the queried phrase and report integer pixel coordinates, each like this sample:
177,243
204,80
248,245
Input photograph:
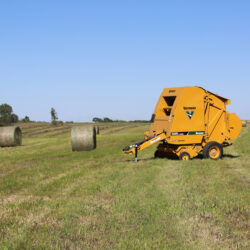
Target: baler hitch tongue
140,145
132,149
128,149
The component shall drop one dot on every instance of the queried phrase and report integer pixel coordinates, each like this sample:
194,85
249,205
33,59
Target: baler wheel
213,150
184,156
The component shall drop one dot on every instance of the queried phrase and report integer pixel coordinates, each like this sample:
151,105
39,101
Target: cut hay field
51,197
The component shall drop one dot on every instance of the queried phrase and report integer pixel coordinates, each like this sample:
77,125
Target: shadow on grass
199,157
230,156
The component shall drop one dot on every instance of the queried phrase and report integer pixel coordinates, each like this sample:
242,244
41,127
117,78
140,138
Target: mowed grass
51,197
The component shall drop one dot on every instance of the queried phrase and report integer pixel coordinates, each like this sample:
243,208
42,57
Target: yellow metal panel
185,139
190,102
163,121
189,114
235,126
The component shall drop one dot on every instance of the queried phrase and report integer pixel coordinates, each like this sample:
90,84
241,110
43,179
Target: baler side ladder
140,145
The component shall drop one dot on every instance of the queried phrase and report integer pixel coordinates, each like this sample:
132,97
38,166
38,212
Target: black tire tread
208,146
182,153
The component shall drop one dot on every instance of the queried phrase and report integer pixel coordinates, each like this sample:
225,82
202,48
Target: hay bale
10,136
244,123
83,138
97,130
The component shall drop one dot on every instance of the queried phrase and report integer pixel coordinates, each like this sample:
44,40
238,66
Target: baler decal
190,114
155,140
188,133
196,133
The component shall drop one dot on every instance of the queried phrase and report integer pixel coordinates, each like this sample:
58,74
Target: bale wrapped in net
244,123
83,138
10,136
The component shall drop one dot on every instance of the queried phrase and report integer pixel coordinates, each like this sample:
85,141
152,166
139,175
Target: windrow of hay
83,138
10,136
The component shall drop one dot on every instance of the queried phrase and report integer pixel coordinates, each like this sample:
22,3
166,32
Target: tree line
106,119
7,116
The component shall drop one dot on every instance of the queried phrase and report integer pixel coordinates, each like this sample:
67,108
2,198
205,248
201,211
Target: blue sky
113,58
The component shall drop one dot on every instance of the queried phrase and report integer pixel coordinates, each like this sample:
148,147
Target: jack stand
136,152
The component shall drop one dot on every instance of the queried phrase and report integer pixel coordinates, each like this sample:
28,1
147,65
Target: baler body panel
188,119
164,110
235,126
215,118
194,116
185,123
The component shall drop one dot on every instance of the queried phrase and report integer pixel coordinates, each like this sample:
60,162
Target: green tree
106,119
5,114
26,119
96,119
54,116
14,118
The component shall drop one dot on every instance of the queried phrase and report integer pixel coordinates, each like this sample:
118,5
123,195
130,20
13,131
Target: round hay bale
83,138
97,131
244,123
10,136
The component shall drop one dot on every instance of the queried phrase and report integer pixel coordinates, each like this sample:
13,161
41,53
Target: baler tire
207,154
184,156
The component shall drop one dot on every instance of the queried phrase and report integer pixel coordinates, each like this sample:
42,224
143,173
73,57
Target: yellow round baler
187,121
